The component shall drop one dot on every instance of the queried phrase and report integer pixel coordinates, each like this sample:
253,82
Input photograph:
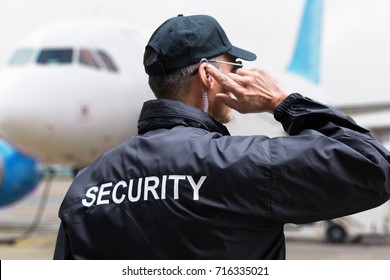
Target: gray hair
173,85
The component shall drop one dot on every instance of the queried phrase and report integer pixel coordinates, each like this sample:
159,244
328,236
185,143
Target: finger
239,78
229,99
244,71
224,80
243,77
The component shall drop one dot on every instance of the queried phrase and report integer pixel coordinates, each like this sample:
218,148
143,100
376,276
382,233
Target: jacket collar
164,113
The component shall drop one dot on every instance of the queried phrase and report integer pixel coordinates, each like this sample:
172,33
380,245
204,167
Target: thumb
229,99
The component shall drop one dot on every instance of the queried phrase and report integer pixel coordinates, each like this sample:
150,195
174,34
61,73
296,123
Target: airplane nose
43,109
12,106
20,99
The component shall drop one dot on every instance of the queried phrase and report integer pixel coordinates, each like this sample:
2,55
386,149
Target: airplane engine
19,174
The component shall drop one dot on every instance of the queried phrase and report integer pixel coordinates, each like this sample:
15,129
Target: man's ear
206,79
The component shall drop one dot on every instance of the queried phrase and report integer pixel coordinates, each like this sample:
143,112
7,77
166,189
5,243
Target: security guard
185,189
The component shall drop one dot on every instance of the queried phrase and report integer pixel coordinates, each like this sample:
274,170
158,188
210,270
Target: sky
355,65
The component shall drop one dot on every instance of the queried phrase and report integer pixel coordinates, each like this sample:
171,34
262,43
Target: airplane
59,71
71,91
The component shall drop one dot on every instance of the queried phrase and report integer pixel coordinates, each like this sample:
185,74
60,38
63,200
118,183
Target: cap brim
242,54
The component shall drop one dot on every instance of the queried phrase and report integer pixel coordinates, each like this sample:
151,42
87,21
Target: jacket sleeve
328,167
62,250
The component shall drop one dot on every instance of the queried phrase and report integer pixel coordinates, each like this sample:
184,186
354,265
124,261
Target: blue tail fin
306,59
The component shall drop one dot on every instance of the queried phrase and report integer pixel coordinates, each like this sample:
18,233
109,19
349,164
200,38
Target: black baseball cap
184,40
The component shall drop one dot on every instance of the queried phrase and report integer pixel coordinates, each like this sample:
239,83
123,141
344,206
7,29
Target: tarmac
39,241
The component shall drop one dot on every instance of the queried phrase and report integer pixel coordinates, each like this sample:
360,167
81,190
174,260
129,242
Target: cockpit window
55,56
86,58
21,57
108,62
97,59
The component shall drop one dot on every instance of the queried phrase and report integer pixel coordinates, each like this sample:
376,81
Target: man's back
173,193
185,189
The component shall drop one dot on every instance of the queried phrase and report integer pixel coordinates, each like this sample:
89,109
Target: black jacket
184,189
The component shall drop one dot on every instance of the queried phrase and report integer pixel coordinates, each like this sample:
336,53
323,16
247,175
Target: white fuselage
70,112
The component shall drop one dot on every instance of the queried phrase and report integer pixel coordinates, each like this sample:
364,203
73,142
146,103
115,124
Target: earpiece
204,93
204,60
205,101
